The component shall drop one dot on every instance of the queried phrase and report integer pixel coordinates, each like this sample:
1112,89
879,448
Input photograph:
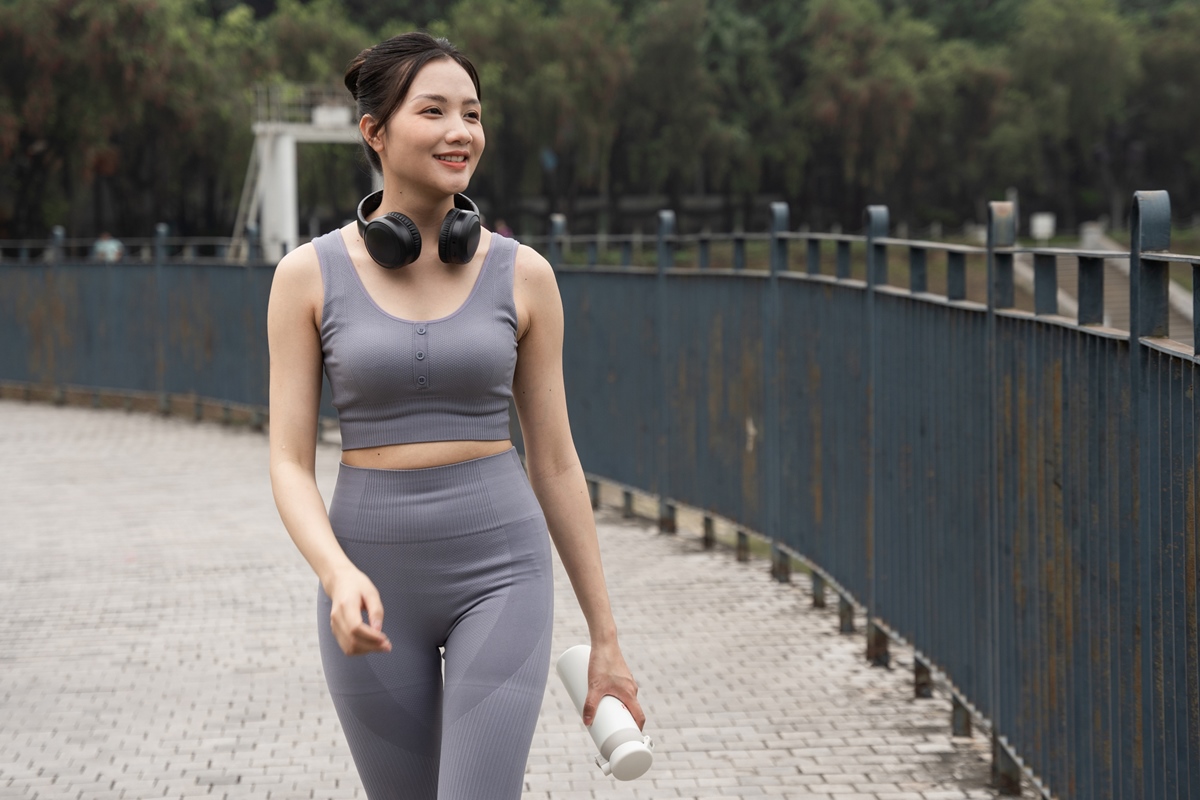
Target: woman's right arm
293,339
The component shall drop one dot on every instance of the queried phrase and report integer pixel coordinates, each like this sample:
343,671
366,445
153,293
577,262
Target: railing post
813,258
743,547
845,615
1091,290
956,275
702,248
594,492
160,261
558,229
960,718
58,246
666,259
1001,232
877,228
1006,774
922,679
739,250
1149,230
842,270
710,534
781,562
918,280
1195,308
1045,283
818,590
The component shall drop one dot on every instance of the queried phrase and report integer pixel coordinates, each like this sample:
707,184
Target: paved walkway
157,640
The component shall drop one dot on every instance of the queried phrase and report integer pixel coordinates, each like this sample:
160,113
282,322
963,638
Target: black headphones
394,241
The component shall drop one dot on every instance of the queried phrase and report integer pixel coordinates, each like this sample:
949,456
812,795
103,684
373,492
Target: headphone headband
371,202
394,240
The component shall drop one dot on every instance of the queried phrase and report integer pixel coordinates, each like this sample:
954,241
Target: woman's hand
607,674
351,592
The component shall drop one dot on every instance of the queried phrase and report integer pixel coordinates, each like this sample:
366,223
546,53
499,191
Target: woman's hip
433,504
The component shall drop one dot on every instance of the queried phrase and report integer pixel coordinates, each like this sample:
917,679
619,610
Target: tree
111,102
748,132
1162,148
1075,62
859,97
666,107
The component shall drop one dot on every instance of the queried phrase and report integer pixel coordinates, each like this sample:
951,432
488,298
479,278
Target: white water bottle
624,752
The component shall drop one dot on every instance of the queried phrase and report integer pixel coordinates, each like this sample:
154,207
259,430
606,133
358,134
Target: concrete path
158,640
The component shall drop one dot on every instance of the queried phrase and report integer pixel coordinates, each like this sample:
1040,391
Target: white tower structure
286,114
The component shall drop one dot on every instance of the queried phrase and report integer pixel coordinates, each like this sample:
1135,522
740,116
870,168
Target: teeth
451,158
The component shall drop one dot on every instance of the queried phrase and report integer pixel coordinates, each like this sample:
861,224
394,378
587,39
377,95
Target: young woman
426,327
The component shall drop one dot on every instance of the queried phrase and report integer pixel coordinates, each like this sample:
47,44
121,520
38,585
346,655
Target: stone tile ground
158,640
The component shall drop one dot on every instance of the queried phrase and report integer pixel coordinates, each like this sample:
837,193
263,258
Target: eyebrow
440,99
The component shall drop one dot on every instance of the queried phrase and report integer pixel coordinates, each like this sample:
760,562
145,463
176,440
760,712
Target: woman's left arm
557,476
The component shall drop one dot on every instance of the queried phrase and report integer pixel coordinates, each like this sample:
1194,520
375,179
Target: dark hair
380,76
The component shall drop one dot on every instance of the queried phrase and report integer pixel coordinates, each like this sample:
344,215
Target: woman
433,517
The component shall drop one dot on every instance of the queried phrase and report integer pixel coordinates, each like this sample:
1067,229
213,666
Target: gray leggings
461,557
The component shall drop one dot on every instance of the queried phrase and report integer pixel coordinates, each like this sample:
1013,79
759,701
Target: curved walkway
157,641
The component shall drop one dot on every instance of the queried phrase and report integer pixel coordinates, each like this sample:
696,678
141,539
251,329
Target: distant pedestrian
107,248
427,325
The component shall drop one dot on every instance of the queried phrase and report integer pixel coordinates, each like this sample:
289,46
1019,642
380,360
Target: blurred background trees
116,114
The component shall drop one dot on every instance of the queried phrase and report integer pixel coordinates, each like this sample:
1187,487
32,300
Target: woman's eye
435,110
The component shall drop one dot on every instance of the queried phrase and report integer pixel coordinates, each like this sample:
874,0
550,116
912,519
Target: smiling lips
453,160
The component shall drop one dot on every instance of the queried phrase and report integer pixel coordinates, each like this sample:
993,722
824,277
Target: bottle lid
631,760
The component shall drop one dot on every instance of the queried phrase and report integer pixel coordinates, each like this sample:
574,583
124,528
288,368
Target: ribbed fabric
397,381
461,557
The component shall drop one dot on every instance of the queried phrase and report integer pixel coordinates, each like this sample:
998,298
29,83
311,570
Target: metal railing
1012,492
170,249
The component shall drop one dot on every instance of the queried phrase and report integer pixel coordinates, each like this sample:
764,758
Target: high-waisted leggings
460,555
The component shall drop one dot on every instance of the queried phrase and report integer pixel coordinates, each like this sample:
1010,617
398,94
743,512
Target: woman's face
435,137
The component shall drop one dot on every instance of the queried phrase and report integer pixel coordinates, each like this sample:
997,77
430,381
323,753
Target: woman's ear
370,132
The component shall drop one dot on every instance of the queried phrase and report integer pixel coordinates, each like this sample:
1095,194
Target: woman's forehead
443,78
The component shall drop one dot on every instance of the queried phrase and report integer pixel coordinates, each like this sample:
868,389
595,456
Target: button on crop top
397,381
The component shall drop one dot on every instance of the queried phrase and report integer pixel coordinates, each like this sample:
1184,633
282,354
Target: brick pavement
158,641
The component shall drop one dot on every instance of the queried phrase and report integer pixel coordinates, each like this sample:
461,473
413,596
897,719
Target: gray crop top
398,381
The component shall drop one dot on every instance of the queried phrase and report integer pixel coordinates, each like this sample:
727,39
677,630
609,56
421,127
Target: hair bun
353,71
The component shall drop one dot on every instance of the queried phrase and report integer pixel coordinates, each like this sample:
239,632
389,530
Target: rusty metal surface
823,380
180,329
611,374
715,398
932,455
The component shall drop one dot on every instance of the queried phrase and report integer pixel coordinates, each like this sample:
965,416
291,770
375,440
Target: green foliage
122,113
987,21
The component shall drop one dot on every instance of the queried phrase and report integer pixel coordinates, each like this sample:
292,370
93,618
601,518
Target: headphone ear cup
393,240
459,237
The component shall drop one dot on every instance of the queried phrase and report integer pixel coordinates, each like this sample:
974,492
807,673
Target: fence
1012,492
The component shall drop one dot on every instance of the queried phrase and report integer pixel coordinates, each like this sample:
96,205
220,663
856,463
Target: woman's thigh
497,662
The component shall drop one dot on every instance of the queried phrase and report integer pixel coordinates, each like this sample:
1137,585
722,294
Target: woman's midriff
420,455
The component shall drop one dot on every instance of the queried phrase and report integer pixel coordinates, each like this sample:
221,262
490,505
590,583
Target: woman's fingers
621,692
370,640
354,635
374,608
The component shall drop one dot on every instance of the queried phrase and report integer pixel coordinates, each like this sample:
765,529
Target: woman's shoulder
298,274
530,268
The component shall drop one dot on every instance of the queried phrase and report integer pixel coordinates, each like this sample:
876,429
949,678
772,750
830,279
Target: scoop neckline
363,287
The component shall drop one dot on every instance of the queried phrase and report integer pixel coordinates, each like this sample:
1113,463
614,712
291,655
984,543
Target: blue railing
1011,492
